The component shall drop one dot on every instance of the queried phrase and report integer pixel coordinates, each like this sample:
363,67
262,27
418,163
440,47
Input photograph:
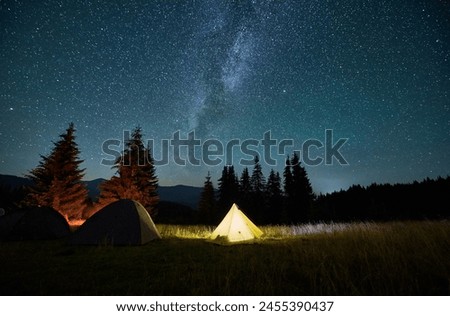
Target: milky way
220,52
375,72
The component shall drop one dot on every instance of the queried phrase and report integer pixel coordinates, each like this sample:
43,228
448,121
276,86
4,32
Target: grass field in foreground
403,258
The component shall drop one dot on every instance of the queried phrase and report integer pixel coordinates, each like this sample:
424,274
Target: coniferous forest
290,200
272,199
386,261
224,148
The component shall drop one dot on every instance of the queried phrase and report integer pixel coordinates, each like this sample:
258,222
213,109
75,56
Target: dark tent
38,223
124,222
7,223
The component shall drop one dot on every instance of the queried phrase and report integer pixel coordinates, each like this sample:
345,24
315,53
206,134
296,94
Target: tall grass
185,231
401,258
270,231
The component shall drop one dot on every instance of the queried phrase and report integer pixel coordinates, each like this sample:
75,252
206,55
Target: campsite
224,147
283,241
401,258
249,238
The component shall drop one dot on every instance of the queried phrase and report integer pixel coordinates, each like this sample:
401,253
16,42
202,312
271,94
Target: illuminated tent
38,223
235,228
124,222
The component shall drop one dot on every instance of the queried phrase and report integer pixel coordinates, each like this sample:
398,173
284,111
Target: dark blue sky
375,72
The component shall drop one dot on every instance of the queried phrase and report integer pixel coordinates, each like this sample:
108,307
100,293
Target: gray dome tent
124,222
38,223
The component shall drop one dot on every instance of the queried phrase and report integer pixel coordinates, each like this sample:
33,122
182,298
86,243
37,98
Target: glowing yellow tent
235,228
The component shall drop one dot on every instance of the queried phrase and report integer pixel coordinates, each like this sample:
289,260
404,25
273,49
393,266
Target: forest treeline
285,198
428,199
290,200
275,200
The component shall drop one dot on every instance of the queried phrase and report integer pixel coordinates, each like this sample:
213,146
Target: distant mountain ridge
13,181
181,194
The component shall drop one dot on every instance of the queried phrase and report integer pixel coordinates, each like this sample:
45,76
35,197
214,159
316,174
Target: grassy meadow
400,258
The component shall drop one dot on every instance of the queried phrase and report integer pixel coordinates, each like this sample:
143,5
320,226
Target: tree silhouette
258,185
207,203
303,195
228,189
57,179
428,199
135,179
274,197
245,190
298,191
288,193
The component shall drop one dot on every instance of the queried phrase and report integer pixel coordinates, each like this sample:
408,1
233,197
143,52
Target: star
231,70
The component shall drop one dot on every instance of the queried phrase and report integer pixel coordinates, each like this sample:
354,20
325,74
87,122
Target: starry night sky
376,72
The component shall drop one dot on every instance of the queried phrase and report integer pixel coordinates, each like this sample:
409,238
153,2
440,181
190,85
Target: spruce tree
301,195
287,174
245,190
135,179
258,185
223,194
207,203
228,188
257,180
274,198
57,179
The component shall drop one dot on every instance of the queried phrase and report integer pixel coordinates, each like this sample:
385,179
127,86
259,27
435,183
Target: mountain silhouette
180,194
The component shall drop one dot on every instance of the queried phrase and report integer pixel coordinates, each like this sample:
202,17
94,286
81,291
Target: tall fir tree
136,178
274,198
288,193
258,185
228,189
299,194
245,190
57,180
257,179
287,174
207,203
